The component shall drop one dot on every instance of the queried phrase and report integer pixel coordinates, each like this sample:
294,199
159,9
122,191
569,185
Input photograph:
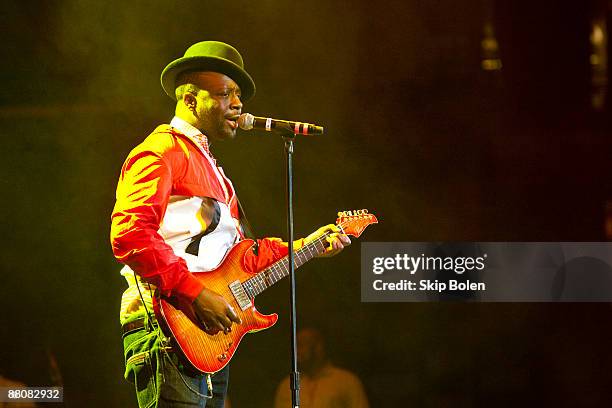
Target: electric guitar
210,353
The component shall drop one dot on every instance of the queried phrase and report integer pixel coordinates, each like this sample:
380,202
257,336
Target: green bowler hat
209,56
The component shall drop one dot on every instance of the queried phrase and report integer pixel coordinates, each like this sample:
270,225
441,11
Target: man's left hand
336,241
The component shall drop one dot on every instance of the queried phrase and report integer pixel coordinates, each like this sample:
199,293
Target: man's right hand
214,312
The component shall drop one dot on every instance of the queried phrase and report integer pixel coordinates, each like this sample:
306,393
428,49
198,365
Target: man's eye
228,94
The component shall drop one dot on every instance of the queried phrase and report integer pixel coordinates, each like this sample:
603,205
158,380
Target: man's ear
190,101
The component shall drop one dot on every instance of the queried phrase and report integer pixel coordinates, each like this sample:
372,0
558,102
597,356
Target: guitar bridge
240,295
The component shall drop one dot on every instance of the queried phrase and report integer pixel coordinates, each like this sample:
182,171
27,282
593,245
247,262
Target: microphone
246,121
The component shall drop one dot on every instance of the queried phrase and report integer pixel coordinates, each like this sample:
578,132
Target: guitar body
210,353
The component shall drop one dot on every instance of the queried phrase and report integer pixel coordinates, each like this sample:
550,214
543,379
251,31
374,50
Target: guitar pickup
240,295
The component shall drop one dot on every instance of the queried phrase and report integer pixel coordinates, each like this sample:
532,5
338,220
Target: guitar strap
244,222
246,227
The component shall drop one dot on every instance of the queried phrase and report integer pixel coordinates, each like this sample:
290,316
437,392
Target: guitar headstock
353,222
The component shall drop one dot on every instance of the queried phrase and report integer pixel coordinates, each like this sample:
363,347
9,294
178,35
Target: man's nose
236,103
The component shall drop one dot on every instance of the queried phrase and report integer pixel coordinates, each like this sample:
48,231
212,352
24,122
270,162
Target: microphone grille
245,121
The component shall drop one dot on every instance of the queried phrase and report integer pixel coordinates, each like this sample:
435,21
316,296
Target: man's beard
220,130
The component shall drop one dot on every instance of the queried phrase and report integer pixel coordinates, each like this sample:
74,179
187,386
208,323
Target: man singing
177,213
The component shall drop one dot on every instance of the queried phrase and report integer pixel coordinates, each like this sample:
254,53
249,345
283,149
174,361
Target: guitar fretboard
278,270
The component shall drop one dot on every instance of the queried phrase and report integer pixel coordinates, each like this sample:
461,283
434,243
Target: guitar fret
322,246
271,278
306,256
258,284
277,273
275,268
311,255
251,288
298,260
267,276
245,286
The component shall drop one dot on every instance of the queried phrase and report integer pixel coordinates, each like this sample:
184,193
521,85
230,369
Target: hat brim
201,63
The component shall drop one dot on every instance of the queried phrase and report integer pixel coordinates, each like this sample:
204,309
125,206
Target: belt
139,324
133,326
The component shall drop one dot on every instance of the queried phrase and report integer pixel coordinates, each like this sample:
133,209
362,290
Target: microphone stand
294,377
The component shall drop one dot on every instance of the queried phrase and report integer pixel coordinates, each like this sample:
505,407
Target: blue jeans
156,371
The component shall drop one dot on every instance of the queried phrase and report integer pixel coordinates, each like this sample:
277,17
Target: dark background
416,131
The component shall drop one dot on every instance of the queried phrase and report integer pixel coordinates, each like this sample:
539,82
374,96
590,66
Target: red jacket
168,163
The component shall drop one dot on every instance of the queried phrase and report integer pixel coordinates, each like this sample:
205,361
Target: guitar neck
280,269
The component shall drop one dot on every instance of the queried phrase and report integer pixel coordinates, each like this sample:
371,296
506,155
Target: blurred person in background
322,384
